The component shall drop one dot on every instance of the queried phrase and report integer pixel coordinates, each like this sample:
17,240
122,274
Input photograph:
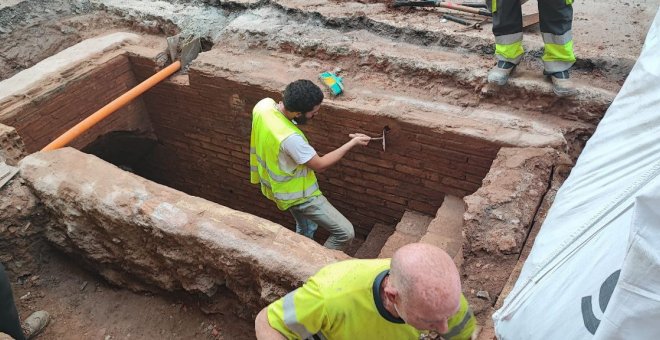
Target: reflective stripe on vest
269,128
272,174
462,324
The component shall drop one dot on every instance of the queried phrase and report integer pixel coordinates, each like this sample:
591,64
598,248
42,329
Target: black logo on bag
591,322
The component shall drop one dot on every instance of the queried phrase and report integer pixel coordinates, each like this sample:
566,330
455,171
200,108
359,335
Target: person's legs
319,211
556,20
507,28
304,226
9,321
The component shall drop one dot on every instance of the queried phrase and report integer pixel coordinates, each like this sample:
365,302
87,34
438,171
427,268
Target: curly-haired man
284,163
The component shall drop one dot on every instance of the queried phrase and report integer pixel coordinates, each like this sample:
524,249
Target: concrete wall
139,234
42,115
203,124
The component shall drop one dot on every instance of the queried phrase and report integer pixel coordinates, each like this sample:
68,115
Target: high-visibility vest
342,302
269,128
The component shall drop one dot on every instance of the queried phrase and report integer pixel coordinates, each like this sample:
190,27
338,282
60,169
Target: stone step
446,229
410,229
375,241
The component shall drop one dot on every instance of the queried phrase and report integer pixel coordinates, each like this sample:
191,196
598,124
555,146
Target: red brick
471,187
373,161
480,161
380,179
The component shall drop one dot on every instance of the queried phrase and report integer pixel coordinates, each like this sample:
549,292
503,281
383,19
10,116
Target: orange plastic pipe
111,107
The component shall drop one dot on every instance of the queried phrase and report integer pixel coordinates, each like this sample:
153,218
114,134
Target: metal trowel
386,129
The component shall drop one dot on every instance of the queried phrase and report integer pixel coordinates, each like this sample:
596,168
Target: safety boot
562,85
35,323
499,74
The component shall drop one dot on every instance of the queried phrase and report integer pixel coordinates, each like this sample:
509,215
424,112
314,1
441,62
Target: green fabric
563,53
269,128
493,6
569,2
338,303
510,51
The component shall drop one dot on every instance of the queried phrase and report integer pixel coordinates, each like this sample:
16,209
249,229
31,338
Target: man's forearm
318,163
336,155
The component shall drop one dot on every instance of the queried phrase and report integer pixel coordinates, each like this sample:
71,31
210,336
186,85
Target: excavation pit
191,133
168,207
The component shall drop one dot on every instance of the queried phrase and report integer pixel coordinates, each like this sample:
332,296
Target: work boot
499,74
35,323
562,86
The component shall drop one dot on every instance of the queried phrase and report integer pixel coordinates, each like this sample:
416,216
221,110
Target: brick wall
204,126
42,119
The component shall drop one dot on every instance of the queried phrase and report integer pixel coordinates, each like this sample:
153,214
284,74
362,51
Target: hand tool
386,129
443,4
456,19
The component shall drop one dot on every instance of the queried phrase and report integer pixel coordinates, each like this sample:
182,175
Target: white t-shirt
294,150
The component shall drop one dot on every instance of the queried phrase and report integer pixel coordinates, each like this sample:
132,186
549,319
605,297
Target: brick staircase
410,229
446,229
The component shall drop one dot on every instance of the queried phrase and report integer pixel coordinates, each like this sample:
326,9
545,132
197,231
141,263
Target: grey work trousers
556,16
319,212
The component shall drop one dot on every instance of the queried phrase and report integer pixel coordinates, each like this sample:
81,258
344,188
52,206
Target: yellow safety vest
269,128
342,302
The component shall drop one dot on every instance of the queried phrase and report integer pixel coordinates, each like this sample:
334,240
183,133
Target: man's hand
359,139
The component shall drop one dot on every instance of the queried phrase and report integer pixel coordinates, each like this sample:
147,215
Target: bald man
416,292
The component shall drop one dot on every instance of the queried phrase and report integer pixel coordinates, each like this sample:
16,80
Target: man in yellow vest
283,162
556,18
416,292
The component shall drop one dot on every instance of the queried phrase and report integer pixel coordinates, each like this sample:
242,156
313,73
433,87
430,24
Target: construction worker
9,321
283,162
556,17
417,291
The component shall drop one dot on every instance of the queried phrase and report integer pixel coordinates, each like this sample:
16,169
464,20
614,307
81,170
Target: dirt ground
83,306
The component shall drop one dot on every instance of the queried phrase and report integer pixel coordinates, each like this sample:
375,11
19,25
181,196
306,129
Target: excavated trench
193,136
191,133
466,169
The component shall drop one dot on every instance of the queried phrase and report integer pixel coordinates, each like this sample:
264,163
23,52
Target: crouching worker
416,292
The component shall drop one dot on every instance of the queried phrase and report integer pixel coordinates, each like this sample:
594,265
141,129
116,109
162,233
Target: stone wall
203,125
499,216
21,215
21,229
139,234
12,148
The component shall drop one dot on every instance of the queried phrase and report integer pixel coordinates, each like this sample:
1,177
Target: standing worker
283,162
418,289
556,18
